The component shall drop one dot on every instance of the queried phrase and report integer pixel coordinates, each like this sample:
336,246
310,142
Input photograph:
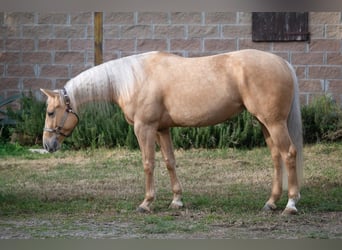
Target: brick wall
46,49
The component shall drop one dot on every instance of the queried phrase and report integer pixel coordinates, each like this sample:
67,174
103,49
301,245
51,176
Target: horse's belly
203,113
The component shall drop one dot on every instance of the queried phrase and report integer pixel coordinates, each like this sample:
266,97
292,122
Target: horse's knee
148,167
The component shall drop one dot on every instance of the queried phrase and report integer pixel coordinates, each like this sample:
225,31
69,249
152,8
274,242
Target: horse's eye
50,114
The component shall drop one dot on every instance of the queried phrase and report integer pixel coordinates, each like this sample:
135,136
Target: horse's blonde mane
111,79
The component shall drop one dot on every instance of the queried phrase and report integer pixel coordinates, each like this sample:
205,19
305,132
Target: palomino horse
158,90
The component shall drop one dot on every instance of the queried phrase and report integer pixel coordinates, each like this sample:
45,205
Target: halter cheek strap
68,110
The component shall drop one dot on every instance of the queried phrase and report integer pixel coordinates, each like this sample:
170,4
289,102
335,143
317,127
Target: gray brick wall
46,49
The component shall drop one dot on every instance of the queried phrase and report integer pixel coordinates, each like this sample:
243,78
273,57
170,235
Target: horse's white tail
294,124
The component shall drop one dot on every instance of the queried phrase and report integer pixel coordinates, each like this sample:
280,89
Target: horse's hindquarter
267,85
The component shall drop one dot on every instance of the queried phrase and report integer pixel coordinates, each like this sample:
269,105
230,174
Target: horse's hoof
290,211
176,205
143,210
269,207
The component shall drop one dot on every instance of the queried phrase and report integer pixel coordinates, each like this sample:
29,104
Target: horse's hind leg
277,176
164,140
282,141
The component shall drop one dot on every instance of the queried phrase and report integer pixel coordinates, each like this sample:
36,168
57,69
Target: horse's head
60,119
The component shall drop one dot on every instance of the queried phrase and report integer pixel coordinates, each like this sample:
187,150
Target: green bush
242,130
322,120
104,125
28,129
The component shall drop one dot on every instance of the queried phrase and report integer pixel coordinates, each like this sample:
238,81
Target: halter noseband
68,110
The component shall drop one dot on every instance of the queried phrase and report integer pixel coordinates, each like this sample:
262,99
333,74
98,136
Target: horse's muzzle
51,144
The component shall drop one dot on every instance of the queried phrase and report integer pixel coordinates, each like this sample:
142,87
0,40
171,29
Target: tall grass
104,125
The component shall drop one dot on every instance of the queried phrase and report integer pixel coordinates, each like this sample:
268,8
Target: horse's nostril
47,148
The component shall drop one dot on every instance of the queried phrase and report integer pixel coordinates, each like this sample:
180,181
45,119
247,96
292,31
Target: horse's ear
49,93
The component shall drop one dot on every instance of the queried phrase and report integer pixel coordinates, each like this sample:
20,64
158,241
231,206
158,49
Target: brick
317,31
326,72
37,57
37,31
90,31
118,18
220,17
111,55
201,54
69,57
60,82
303,99
52,18
81,18
119,44
14,18
325,45
290,46
2,18
334,31
54,71
245,18
89,57
307,58
136,31
71,31
19,44
169,31
334,58
16,70
203,31
301,71
53,44
81,44
77,69
151,45
9,83
10,57
185,44
153,18
186,17
249,44
34,83
237,31
324,17
111,31
10,31
310,86
284,55
219,45
335,86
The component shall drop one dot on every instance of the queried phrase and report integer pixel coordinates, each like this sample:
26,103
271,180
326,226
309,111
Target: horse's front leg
146,136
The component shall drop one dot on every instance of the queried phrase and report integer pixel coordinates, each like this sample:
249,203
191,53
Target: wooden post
98,37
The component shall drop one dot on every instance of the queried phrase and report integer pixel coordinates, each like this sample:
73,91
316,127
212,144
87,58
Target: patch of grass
222,188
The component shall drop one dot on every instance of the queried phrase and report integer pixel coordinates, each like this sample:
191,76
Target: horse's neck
92,85
114,81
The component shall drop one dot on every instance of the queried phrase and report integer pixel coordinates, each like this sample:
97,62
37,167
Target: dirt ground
322,226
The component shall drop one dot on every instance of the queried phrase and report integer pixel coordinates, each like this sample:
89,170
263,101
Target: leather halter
68,110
